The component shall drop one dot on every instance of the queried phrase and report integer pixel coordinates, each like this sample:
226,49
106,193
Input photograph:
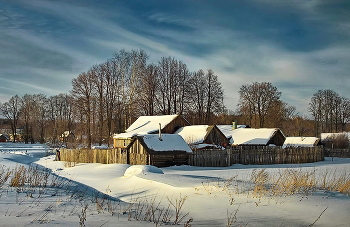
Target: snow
255,136
206,146
145,125
168,142
102,146
325,136
300,141
227,130
194,134
212,193
141,169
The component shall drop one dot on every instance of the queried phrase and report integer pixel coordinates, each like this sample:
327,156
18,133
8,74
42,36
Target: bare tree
27,114
11,110
256,100
150,87
205,97
344,112
327,108
82,92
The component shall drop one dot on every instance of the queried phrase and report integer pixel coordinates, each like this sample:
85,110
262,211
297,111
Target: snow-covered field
49,193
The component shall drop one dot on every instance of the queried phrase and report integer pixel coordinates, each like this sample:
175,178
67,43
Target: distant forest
110,96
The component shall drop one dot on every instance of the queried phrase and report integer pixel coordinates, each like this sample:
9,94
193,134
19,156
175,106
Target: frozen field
39,190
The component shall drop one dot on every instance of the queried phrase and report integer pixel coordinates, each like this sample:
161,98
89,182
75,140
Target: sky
300,46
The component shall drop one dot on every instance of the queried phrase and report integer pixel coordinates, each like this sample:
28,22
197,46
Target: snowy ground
122,195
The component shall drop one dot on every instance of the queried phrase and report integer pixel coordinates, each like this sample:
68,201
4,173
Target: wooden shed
157,150
169,124
3,138
258,137
203,136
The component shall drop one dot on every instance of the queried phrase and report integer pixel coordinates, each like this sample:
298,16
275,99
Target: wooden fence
255,156
208,158
340,153
105,156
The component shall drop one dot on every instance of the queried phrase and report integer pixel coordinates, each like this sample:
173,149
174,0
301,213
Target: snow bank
141,169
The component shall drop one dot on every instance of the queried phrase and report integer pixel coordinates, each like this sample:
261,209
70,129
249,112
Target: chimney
234,125
160,132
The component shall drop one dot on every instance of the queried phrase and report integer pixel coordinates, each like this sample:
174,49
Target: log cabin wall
137,154
277,139
215,136
174,125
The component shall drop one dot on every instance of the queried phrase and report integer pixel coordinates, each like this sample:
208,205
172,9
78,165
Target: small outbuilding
203,136
257,137
3,138
67,137
301,141
158,150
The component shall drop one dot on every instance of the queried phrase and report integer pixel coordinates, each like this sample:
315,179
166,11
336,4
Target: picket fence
105,156
255,156
207,158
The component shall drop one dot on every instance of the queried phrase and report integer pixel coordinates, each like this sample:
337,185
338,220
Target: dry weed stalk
82,215
231,217
178,206
260,180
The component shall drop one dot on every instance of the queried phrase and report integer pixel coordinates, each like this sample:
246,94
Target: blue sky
300,46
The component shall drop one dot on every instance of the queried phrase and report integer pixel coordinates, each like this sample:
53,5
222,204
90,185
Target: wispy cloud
299,46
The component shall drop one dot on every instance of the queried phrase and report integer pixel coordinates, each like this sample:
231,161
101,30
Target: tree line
108,97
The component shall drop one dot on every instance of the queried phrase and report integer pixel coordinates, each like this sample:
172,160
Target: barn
160,150
149,125
3,138
258,137
203,136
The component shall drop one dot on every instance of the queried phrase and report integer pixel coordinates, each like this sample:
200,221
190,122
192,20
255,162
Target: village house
4,138
160,150
203,136
301,141
67,137
168,124
257,137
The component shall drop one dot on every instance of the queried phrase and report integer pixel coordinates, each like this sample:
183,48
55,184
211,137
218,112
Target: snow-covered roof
300,141
325,136
252,136
169,142
194,134
67,133
206,146
145,125
227,129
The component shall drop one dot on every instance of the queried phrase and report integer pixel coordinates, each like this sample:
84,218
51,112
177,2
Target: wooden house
203,136
167,124
301,141
258,137
158,150
67,137
3,138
